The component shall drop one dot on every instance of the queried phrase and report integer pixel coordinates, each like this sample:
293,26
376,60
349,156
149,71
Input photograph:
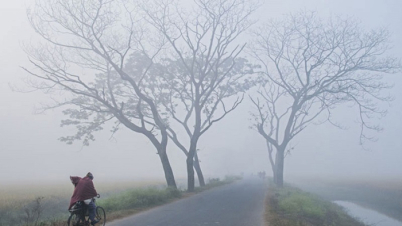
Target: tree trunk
190,174
279,166
190,164
271,160
274,173
196,163
197,168
167,168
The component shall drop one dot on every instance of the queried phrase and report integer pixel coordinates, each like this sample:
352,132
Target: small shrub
174,193
213,180
33,211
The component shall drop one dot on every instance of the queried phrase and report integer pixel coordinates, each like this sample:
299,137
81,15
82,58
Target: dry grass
386,183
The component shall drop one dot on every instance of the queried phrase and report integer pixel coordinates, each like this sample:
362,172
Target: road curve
238,204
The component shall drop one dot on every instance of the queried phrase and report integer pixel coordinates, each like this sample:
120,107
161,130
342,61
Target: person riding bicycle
84,191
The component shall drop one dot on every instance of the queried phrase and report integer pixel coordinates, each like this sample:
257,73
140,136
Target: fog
30,150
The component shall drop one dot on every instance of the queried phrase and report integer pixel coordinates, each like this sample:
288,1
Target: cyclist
84,191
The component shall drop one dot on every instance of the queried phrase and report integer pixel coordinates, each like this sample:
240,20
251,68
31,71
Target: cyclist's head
89,174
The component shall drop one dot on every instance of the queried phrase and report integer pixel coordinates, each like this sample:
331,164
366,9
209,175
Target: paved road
238,204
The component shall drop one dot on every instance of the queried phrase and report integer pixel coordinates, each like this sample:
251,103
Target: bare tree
207,75
87,44
224,98
309,67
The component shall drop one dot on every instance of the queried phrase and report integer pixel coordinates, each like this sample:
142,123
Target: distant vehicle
80,217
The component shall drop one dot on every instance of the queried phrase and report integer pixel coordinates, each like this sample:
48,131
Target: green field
383,196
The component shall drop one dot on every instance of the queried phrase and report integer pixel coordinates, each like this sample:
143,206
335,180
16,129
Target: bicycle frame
79,215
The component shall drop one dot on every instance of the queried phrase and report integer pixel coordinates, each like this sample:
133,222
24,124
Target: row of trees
171,73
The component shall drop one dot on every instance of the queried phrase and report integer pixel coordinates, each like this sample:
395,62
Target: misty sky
29,149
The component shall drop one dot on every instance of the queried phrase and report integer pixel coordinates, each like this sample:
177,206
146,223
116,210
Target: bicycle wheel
74,220
100,216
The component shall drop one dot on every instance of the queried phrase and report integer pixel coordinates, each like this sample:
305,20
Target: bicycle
79,215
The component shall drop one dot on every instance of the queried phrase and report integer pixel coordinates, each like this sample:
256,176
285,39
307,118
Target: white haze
29,149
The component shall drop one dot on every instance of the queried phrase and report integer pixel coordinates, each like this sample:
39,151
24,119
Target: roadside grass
118,203
290,206
138,198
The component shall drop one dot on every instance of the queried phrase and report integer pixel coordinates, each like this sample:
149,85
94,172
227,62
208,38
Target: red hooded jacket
84,189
